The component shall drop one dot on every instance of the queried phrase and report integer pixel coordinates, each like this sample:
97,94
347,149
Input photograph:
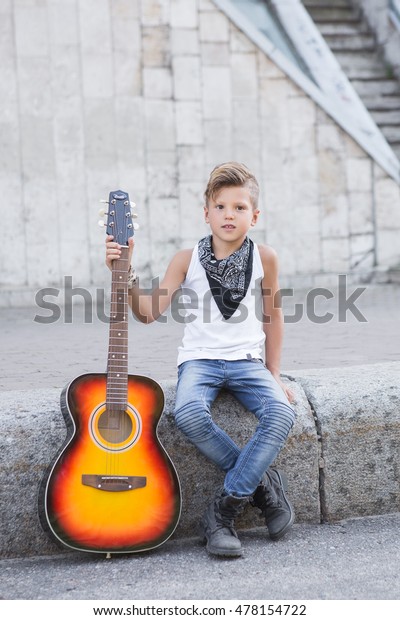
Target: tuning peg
136,226
133,204
134,215
102,212
104,202
101,223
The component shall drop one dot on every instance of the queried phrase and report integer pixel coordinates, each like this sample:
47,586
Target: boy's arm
148,307
273,323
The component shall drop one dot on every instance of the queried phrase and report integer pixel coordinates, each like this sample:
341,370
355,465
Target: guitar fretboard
117,367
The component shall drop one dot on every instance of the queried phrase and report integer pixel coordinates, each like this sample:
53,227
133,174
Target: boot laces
265,499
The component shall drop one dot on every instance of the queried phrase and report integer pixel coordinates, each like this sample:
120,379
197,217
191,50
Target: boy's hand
287,391
113,250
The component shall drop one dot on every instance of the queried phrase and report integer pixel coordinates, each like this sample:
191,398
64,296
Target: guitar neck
117,367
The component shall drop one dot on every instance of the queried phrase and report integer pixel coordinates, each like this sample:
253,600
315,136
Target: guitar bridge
114,483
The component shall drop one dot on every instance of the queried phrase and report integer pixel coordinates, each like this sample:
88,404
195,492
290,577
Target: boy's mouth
229,226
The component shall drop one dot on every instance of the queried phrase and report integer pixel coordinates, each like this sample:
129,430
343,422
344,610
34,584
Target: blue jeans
199,382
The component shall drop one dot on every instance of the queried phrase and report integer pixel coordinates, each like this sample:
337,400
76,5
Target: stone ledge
353,426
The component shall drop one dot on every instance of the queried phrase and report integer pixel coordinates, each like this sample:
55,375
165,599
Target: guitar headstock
119,217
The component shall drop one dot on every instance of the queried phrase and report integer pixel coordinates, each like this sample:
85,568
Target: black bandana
228,278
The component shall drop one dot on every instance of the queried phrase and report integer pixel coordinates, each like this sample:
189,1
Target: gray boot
217,525
275,507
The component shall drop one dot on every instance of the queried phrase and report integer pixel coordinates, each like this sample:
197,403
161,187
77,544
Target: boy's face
231,214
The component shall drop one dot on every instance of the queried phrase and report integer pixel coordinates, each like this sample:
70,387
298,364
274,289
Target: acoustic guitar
112,488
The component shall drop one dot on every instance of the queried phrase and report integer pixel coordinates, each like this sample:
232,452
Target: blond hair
232,174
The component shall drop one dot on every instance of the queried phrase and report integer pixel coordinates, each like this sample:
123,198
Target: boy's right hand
113,250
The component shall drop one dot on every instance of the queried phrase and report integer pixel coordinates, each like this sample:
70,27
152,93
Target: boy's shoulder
181,260
267,253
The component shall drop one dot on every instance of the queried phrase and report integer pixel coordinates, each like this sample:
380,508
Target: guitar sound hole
115,426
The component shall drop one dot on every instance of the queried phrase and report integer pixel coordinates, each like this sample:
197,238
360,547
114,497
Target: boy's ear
256,213
206,213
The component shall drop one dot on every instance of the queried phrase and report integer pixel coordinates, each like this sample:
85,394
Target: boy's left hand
287,391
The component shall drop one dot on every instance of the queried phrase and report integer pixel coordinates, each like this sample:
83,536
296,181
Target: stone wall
149,95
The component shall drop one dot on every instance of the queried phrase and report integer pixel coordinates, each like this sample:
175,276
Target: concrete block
184,14
128,74
218,142
358,411
362,252
63,19
336,254
155,12
189,123
187,77
184,41
191,202
215,54
35,93
157,83
239,41
31,30
360,212
332,173
12,272
99,131
214,26
334,215
244,76
217,99
160,125
329,137
359,175
387,203
97,75
156,50
95,34
191,164
162,179
388,247
164,222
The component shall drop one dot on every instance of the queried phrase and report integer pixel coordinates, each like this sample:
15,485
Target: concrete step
344,28
362,65
396,150
362,60
319,3
382,103
376,87
391,133
324,14
351,42
386,117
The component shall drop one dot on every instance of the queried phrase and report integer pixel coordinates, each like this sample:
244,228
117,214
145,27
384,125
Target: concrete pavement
46,355
353,559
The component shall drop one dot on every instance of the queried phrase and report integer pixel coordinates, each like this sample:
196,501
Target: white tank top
207,334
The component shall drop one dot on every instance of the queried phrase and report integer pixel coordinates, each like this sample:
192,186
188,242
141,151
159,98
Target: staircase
353,43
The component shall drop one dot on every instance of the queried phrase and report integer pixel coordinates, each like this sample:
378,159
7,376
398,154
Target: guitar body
113,488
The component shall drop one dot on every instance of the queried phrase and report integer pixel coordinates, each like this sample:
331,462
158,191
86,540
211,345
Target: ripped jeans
199,382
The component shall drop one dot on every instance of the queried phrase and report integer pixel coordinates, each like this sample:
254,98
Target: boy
235,283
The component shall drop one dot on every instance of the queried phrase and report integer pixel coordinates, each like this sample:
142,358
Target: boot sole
227,553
